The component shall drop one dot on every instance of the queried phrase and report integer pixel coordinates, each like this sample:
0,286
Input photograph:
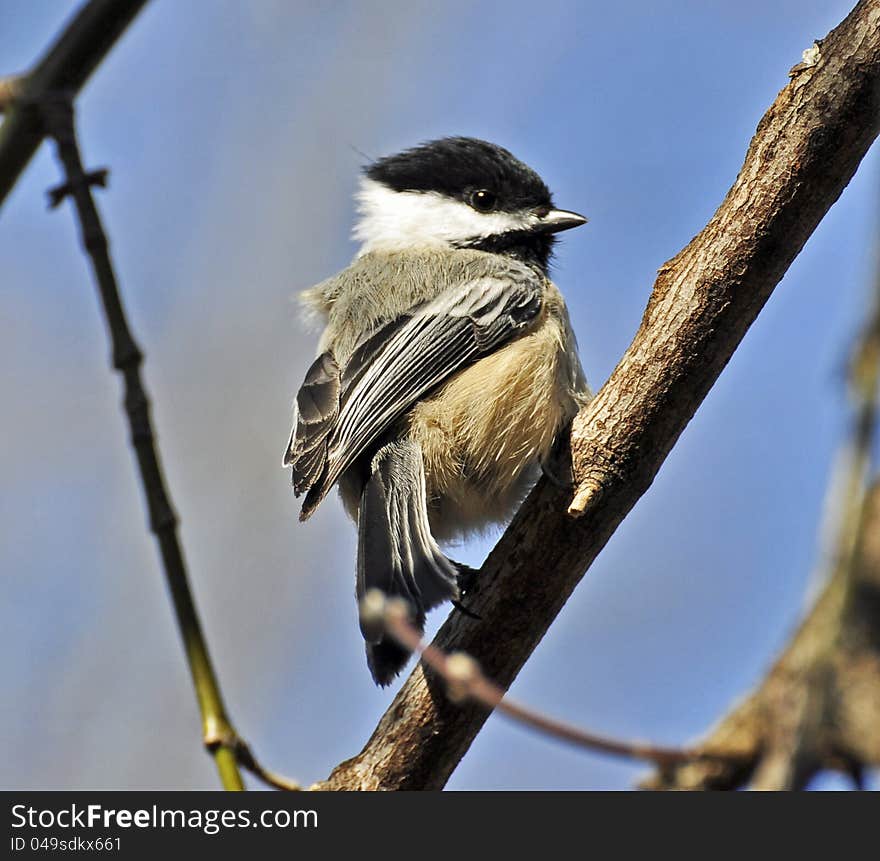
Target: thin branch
66,66
806,149
219,736
466,681
246,760
40,104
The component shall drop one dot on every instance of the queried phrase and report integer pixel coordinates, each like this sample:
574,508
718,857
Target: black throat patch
533,248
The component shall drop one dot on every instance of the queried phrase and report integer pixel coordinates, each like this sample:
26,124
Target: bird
445,373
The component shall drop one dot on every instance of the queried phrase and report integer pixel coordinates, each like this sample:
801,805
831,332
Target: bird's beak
560,219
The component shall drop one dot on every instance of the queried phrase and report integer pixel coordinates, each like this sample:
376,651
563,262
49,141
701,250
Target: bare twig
246,760
805,150
40,104
219,736
465,680
66,66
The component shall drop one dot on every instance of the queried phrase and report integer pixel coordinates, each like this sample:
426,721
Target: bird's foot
553,477
467,577
467,585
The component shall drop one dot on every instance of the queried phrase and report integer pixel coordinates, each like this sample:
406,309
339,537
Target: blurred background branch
804,152
818,708
66,66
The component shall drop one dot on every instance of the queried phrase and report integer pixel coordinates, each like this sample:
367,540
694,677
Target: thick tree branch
806,149
66,66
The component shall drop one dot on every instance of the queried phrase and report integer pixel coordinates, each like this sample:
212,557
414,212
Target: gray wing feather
398,365
396,552
316,410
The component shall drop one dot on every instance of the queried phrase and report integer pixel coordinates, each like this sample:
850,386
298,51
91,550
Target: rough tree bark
804,152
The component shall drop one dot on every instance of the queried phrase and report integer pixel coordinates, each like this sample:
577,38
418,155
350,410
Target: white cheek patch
398,220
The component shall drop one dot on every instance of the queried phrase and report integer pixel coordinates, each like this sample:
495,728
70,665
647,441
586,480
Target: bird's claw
467,578
466,612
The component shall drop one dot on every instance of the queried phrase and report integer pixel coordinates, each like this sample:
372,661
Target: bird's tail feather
396,551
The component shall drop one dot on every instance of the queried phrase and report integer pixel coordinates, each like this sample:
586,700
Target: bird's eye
483,200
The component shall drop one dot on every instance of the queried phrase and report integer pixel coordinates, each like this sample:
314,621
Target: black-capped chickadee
446,369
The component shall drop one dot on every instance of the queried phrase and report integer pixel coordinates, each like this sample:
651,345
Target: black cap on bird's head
458,167
459,192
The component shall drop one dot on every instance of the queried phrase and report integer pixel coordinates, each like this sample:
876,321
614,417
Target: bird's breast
485,430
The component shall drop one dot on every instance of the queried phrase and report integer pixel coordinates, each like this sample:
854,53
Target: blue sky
234,132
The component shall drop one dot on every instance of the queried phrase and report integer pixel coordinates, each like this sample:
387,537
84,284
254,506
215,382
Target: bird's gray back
364,305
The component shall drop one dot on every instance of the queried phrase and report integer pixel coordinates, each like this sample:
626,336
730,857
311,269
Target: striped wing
342,413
